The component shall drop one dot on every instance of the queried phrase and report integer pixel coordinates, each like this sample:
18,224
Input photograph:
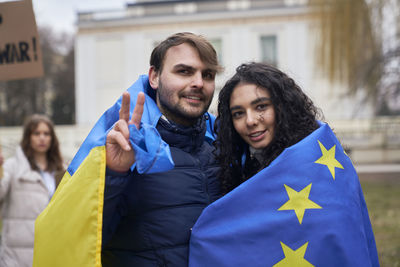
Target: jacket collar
23,162
189,139
24,168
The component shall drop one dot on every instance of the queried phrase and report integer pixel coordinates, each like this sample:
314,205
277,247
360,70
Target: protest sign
20,53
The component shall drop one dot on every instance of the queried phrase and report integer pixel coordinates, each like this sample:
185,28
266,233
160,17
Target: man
148,217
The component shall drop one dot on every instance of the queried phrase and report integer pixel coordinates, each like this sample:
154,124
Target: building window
217,44
186,8
269,53
238,5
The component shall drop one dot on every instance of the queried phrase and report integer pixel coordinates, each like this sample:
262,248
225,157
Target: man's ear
153,78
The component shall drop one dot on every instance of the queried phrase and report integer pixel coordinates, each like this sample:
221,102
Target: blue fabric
247,228
147,143
152,153
210,133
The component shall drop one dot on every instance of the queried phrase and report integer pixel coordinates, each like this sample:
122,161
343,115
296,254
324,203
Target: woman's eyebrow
258,100
254,102
235,107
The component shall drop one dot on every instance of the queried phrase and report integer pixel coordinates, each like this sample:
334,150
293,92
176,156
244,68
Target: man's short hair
205,49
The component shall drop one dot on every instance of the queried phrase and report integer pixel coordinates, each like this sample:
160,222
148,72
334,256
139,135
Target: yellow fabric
68,231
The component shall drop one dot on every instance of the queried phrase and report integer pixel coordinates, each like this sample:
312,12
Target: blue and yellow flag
69,231
305,209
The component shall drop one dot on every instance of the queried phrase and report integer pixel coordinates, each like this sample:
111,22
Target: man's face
185,85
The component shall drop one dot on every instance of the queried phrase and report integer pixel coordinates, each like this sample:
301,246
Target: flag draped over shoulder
305,209
69,231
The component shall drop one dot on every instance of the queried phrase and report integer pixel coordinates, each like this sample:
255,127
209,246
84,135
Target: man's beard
177,112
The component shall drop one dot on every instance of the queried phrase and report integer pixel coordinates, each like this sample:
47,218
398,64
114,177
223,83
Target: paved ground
381,168
390,172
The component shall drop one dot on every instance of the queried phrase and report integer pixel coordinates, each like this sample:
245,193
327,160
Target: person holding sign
26,186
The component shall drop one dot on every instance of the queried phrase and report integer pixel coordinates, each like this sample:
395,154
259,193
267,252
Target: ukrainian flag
305,209
68,232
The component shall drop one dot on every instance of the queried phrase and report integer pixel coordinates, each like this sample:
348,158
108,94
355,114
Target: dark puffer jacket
148,218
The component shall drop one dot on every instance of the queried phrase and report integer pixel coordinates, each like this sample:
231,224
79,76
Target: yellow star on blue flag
294,257
299,201
328,159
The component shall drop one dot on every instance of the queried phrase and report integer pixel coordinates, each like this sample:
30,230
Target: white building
113,47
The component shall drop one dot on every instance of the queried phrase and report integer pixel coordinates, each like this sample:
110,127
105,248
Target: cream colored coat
23,196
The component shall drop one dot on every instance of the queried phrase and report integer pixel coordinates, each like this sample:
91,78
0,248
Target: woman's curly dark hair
296,117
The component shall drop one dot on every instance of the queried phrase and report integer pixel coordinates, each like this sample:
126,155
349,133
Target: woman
28,183
292,196
261,112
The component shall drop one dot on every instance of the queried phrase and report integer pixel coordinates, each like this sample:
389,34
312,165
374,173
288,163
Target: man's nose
197,80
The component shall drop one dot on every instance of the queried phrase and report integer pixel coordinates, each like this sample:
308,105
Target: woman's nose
251,119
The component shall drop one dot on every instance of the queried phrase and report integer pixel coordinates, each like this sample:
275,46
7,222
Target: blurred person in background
27,184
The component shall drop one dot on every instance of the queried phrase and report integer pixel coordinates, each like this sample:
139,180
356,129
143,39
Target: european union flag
305,209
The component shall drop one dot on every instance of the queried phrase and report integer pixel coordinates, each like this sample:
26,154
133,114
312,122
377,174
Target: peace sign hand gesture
119,153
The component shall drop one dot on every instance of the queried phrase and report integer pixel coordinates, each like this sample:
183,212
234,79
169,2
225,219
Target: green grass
383,202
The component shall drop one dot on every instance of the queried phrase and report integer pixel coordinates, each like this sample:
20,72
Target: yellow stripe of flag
68,232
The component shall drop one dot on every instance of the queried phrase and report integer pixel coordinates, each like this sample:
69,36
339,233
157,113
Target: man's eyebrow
188,67
260,99
210,70
183,66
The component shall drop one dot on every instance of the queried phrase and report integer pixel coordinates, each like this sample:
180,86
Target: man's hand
119,153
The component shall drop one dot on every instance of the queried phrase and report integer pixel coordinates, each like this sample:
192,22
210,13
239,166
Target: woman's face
253,114
41,138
